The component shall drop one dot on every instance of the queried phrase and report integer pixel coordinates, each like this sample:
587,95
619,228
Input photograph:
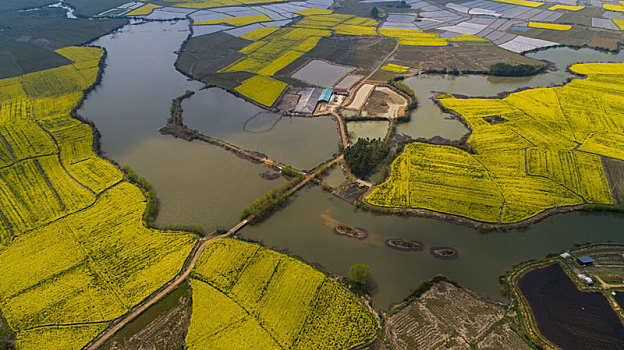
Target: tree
374,12
521,70
364,155
358,273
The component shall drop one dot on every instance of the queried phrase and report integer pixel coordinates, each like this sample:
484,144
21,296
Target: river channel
201,184
196,183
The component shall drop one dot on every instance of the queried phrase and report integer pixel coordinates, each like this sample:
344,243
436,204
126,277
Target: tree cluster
151,210
264,206
510,70
364,155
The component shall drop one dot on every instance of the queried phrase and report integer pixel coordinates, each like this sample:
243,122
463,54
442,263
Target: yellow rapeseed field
610,7
75,251
65,337
566,7
262,89
201,4
259,33
466,37
395,68
314,11
237,21
619,23
276,51
413,37
522,2
553,26
143,10
246,296
533,150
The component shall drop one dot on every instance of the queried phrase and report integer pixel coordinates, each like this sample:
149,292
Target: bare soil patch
384,103
614,169
449,317
162,326
476,56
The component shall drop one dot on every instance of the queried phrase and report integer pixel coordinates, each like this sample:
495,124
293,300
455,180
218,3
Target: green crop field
544,153
75,251
246,296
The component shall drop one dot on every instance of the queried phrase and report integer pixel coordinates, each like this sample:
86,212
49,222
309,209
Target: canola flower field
611,7
553,26
534,150
273,49
246,296
237,21
566,7
395,68
261,89
143,10
522,3
75,251
204,4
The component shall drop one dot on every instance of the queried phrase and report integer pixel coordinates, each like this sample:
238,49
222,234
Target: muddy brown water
196,183
482,257
299,142
201,184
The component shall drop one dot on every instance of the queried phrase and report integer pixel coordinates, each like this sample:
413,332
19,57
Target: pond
196,183
367,129
300,142
321,73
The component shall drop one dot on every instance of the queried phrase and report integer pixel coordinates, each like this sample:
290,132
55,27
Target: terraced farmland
246,296
76,252
533,150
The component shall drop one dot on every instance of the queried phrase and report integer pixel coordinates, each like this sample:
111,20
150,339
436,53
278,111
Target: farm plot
73,262
449,316
143,10
237,21
261,89
553,26
440,178
246,296
275,49
568,317
531,158
395,68
413,37
202,4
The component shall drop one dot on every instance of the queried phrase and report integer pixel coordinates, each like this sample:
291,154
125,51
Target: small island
349,231
402,244
446,253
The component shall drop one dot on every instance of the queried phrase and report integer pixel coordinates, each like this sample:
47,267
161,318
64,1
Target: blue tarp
326,95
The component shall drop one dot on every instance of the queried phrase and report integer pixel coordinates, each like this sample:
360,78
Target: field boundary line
158,295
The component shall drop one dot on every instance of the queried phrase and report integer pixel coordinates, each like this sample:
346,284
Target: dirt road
171,286
343,133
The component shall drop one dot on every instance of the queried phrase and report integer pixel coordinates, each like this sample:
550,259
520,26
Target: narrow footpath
170,287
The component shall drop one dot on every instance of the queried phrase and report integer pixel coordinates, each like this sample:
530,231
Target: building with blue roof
326,95
584,260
